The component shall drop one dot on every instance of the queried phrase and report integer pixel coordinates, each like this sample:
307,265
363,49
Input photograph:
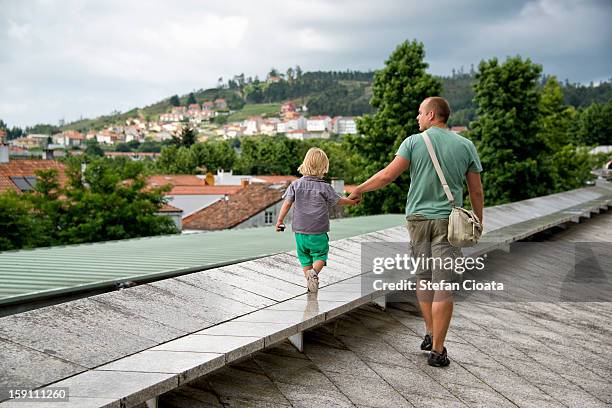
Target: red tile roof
169,208
241,206
204,190
26,168
275,179
176,180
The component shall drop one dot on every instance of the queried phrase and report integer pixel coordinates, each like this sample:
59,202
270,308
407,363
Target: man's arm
283,212
476,193
382,178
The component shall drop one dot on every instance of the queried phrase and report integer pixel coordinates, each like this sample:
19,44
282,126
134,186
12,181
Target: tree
93,148
595,124
191,99
175,101
290,74
507,130
109,200
123,147
273,72
19,227
398,90
556,119
187,138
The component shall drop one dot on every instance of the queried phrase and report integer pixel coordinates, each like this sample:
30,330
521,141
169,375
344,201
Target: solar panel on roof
21,183
31,180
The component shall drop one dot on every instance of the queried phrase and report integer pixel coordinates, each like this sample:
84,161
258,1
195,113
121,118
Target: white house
170,117
344,125
269,126
252,125
296,124
318,124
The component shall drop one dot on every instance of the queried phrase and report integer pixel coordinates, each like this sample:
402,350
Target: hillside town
291,120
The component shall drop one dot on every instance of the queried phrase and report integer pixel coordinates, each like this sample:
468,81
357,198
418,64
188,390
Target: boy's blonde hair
315,163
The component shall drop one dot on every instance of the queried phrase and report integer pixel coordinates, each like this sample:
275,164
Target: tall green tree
507,130
175,101
397,91
191,99
595,124
557,119
187,137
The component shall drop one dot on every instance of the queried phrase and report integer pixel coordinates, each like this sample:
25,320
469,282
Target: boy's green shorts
311,247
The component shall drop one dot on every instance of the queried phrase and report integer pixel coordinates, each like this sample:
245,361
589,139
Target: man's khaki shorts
428,239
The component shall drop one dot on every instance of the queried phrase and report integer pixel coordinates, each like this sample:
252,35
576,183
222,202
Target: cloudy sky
72,58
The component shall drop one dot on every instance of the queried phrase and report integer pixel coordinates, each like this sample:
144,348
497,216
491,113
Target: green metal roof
29,274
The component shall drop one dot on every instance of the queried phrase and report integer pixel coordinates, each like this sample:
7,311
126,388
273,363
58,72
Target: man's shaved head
439,106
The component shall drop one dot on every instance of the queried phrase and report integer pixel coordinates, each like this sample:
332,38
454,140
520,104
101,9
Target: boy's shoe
312,280
436,359
427,342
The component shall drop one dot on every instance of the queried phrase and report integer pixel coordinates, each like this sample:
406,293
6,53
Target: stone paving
504,354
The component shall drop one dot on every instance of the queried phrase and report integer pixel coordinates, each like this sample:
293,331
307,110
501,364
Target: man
427,211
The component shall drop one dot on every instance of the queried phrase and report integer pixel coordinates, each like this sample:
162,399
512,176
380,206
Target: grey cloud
71,57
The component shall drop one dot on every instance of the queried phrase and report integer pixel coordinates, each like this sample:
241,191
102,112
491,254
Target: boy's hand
348,201
355,197
280,227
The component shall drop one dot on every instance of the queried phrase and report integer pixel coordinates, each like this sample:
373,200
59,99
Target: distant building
298,123
221,104
179,110
229,178
231,130
20,175
24,143
191,193
171,117
39,138
344,125
269,126
287,107
256,205
175,214
133,155
208,105
318,124
252,125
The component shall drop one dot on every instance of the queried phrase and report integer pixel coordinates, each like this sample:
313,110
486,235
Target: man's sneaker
313,281
438,359
427,342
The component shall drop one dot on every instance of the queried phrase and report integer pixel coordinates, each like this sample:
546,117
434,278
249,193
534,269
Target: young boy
312,197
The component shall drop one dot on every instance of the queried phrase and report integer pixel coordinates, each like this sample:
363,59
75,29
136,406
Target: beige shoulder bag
464,227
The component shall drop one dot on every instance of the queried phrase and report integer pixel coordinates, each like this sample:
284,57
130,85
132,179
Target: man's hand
347,201
355,196
280,227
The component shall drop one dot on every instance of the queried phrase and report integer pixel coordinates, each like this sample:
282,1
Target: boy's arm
283,213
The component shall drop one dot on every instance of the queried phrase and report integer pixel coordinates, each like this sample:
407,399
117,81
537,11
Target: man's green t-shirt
457,156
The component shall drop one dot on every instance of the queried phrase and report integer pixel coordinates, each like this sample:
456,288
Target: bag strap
436,164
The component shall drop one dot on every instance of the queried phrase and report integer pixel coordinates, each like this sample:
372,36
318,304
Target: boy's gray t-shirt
311,198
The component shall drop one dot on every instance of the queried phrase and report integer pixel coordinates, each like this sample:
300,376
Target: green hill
345,93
